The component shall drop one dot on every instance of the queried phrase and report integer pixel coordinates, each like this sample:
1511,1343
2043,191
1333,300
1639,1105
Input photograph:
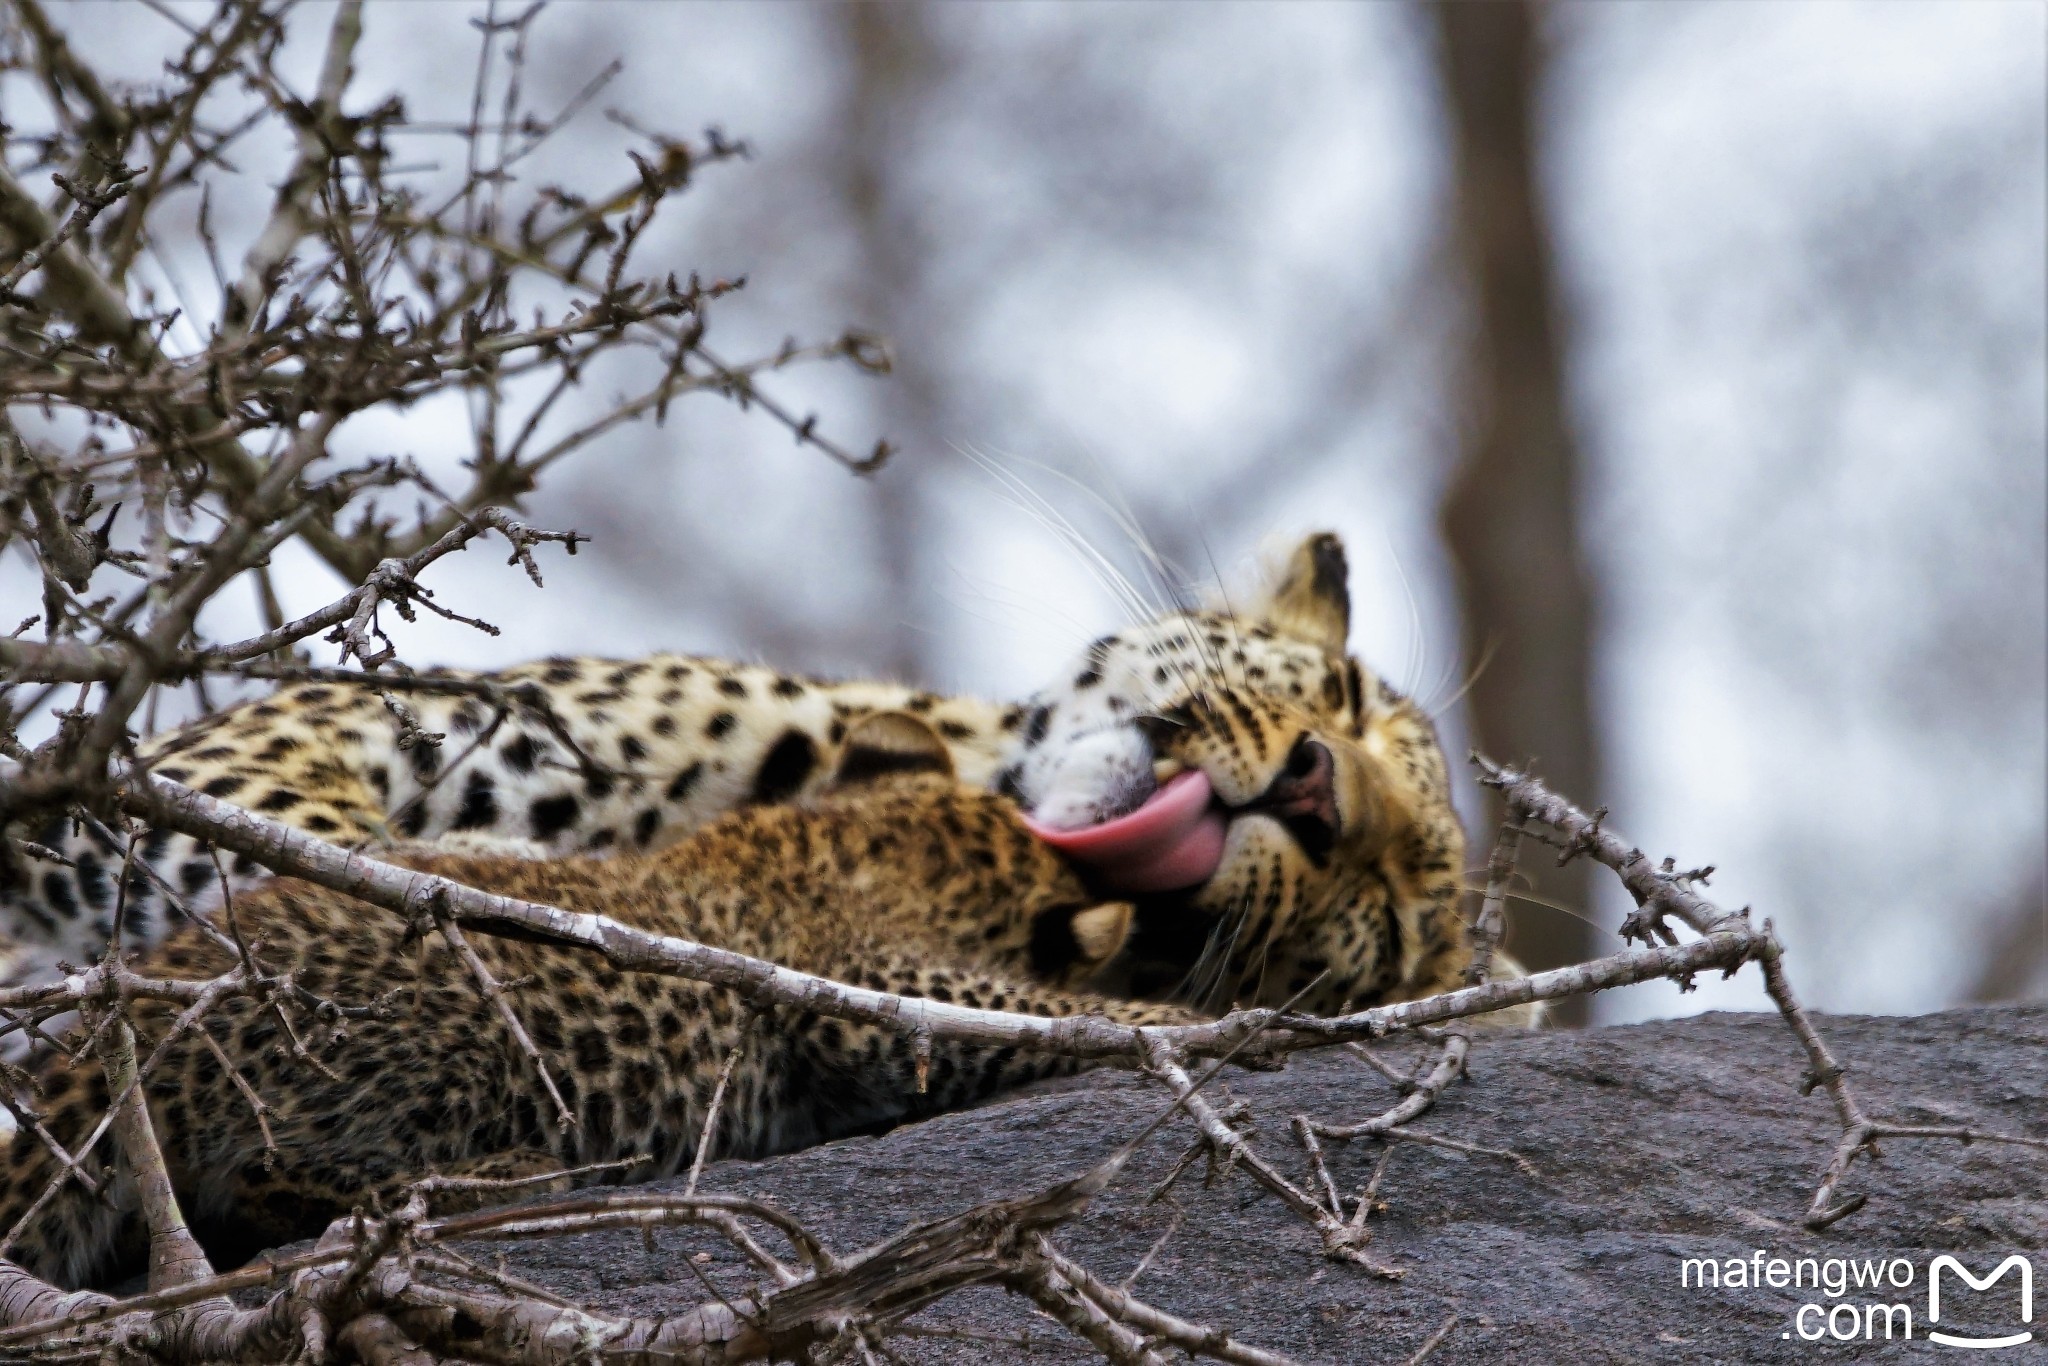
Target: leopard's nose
1307,786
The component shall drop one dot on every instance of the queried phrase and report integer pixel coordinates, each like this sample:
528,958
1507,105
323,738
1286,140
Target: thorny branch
200,438
153,455
1662,893
407,892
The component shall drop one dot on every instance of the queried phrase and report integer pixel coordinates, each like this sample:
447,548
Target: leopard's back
560,756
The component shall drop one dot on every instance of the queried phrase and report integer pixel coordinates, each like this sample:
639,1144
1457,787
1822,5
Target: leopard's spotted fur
568,756
661,745
910,884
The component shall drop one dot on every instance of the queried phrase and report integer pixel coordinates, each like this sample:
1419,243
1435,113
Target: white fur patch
1091,761
1089,778
477,844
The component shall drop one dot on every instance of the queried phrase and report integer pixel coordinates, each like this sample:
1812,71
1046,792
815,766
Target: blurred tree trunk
2014,950
1510,516
892,69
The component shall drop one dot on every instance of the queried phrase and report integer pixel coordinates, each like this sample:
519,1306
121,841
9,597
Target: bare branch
1663,890
174,1255
92,200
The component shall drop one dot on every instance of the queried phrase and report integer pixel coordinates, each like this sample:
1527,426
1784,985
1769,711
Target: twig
403,890
709,1132
92,200
174,1254
1340,1241
1193,1338
1662,891
1433,1341
493,991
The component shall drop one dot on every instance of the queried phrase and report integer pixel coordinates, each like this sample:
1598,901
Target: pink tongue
1174,840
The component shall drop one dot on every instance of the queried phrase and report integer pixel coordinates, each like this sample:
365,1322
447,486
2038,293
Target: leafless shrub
154,454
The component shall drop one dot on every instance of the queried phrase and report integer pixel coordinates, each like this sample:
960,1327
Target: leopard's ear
888,744
1309,598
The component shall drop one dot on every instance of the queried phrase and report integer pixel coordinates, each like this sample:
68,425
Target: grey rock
1653,1144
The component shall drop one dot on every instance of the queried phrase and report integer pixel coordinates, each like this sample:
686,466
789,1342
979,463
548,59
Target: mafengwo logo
1864,1300
2012,1263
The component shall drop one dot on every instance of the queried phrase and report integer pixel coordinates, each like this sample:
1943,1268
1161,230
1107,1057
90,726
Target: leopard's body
628,755
911,884
563,756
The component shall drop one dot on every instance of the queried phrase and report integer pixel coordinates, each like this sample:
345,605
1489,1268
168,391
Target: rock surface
1652,1143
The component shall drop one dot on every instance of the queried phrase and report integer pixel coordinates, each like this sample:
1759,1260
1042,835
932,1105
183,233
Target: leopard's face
1318,849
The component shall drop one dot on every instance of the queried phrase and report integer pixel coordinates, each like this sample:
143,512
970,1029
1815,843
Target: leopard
897,878
558,756
1334,888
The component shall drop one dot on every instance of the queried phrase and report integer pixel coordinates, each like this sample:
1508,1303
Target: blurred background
1675,372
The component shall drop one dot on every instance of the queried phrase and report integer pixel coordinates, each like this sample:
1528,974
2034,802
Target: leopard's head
1280,814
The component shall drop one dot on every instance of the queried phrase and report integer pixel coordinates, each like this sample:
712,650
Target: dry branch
1663,891
411,893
